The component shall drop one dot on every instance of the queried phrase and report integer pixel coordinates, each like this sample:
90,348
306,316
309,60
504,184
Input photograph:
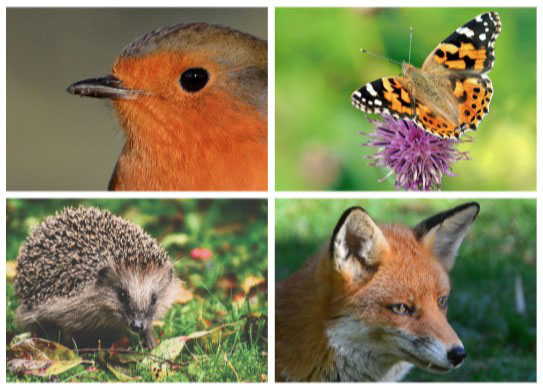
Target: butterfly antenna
410,42
379,56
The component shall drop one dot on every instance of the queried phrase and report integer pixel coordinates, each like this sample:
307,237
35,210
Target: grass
236,233
500,248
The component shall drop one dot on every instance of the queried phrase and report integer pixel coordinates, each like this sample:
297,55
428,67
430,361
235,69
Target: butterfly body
450,93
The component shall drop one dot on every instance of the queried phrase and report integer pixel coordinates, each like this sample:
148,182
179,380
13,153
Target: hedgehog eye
153,299
122,296
194,79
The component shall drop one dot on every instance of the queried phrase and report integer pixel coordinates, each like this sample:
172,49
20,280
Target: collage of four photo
355,202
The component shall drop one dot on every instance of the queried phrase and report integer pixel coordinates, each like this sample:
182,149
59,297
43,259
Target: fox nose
456,355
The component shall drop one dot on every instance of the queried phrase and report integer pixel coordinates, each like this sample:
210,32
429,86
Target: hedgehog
85,275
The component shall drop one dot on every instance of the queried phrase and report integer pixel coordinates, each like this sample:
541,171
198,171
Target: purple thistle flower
418,158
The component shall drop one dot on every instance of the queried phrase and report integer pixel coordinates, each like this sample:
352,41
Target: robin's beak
108,87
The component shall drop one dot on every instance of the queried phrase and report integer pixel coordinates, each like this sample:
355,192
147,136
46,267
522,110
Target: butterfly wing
462,60
457,70
470,48
434,123
390,95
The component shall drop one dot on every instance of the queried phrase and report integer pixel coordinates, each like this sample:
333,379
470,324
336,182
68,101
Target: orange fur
400,269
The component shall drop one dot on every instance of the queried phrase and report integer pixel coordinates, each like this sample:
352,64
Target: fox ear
357,242
443,233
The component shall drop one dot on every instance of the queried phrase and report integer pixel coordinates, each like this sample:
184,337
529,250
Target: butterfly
451,92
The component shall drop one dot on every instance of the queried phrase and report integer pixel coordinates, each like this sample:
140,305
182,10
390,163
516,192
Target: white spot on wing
370,89
465,31
479,18
482,37
378,102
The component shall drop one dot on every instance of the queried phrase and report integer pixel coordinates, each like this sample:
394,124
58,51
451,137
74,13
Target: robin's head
186,74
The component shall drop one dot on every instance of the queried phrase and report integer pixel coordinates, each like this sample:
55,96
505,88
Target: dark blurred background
56,141
494,270
319,65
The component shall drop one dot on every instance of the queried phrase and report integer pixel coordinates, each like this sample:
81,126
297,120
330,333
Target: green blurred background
57,141
319,64
499,251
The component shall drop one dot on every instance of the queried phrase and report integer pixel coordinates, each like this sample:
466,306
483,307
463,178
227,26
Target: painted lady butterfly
451,93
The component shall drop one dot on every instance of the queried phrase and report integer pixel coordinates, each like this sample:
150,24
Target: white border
271,195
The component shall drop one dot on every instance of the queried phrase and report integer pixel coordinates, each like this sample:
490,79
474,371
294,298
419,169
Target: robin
193,101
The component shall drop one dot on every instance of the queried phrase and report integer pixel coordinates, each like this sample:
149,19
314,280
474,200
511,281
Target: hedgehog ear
103,274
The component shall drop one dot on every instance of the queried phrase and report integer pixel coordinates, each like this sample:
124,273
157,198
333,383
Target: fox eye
401,309
442,302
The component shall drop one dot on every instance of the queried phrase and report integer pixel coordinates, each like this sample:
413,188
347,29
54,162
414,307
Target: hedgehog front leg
148,338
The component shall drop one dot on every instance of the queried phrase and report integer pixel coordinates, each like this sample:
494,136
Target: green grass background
501,344
319,64
234,230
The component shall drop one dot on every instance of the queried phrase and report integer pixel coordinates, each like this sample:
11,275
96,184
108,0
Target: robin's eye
194,79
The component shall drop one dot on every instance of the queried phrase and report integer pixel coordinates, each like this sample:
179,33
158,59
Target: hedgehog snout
137,325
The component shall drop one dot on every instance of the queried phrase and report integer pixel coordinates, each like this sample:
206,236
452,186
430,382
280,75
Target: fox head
391,287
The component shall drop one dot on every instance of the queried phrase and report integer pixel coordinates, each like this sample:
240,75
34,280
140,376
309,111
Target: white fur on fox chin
357,361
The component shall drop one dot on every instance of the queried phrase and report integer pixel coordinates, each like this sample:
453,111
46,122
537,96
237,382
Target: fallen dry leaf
251,281
122,344
183,295
205,322
40,357
158,323
19,338
238,299
169,349
159,371
123,374
227,282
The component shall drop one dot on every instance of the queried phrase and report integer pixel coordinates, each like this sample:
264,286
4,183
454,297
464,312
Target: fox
373,303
